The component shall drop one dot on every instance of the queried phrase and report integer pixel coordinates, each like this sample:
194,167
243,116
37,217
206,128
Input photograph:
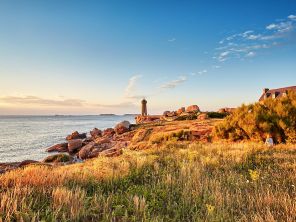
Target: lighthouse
144,107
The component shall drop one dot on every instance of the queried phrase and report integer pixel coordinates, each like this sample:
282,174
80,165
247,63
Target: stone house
276,93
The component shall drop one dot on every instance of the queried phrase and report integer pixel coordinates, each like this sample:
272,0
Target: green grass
193,182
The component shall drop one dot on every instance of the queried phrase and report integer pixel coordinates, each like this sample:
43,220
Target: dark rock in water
61,147
27,162
76,135
58,158
109,132
122,127
74,145
96,133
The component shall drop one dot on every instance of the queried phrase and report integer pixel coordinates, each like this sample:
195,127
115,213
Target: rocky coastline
184,124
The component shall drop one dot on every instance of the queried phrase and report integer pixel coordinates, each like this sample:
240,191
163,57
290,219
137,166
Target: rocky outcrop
202,116
166,113
122,127
27,162
148,119
192,108
4,167
109,132
74,145
58,158
61,147
86,150
181,110
76,135
96,133
226,110
111,152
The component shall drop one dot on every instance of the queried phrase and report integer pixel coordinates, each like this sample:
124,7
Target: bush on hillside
276,117
216,115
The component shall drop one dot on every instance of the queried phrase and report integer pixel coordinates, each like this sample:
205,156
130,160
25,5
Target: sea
27,137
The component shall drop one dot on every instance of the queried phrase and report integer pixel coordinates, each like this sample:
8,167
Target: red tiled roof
279,90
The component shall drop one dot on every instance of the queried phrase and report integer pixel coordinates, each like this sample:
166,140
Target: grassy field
175,182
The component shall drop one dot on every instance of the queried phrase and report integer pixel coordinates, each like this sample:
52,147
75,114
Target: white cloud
271,26
42,102
250,54
34,100
131,86
254,37
281,27
246,44
174,83
172,40
223,56
292,17
202,72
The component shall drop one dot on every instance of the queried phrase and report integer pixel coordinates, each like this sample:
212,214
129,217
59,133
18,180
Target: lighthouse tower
144,107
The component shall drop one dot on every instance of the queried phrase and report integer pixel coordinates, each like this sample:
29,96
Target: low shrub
216,115
274,117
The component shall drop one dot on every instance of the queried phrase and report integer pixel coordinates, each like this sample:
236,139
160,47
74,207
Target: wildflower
210,208
254,174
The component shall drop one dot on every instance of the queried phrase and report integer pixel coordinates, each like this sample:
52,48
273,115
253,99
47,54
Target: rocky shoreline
184,124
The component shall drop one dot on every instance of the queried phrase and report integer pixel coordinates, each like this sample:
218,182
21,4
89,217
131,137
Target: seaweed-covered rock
58,158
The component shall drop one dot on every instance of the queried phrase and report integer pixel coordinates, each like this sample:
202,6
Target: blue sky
90,57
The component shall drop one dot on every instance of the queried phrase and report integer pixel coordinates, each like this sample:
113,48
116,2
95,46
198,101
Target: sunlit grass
174,182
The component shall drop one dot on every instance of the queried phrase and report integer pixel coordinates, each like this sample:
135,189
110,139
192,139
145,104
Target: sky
94,57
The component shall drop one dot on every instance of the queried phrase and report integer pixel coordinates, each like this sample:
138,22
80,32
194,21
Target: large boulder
166,113
109,132
58,158
202,116
91,150
85,151
122,127
27,162
74,145
111,152
192,109
61,147
96,133
181,110
76,135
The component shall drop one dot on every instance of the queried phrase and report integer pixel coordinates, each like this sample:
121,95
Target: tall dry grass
174,182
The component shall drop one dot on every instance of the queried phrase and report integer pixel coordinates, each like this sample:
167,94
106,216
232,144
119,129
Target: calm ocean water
27,137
